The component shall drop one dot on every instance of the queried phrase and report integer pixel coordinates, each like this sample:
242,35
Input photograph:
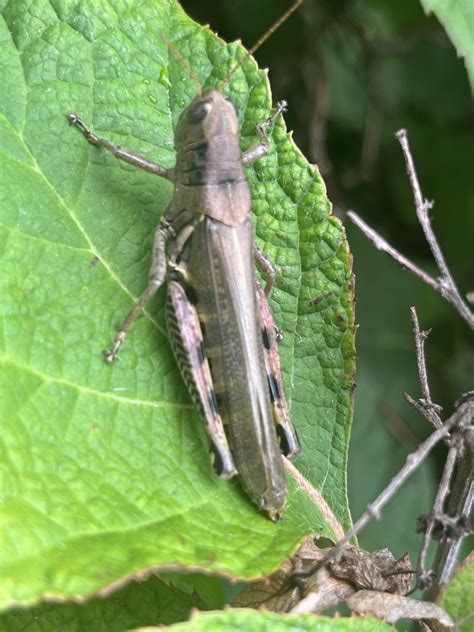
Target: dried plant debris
282,591
295,587
373,571
391,608
445,528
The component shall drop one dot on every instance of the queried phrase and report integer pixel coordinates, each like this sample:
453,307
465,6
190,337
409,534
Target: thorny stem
444,284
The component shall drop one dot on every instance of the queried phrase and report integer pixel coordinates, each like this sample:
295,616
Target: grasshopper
218,318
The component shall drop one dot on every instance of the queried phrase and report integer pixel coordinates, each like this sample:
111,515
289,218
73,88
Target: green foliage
457,17
458,596
105,469
136,604
237,620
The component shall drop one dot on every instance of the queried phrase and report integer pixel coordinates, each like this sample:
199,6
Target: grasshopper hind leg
185,336
287,436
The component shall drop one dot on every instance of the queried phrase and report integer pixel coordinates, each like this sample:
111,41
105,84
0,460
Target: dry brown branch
424,404
444,284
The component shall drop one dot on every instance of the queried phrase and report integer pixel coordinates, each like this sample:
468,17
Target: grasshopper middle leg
266,267
157,277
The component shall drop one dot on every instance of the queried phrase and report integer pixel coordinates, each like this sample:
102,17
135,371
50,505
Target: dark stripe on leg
266,338
273,387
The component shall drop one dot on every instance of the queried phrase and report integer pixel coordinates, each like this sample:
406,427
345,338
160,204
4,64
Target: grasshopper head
210,114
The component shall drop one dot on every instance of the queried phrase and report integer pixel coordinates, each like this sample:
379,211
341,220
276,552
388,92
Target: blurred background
353,73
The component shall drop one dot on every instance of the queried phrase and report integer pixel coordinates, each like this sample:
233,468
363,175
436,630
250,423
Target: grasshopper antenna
274,27
182,59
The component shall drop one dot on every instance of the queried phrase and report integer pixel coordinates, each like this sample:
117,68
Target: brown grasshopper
219,322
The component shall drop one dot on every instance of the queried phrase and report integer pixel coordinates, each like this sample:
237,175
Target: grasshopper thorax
209,172
209,116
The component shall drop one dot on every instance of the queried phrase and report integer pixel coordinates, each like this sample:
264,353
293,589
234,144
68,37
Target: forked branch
444,283
449,518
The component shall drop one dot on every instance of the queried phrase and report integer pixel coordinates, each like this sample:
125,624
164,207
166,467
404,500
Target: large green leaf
457,17
243,619
105,469
137,604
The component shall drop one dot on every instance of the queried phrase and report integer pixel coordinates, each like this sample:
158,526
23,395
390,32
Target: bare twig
425,578
424,405
451,525
420,337
427,411
412,463
381,244
422,207
460,501
448,526
444,284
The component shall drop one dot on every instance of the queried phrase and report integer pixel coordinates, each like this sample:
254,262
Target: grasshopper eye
198,111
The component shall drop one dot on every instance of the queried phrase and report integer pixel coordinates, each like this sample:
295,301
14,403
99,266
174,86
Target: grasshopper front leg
262,148
163,232
126,155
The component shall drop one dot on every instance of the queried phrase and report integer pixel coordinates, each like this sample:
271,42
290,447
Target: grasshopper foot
264,126
110,355
89,135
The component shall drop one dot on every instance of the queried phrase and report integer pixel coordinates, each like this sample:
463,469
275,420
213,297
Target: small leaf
458,596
